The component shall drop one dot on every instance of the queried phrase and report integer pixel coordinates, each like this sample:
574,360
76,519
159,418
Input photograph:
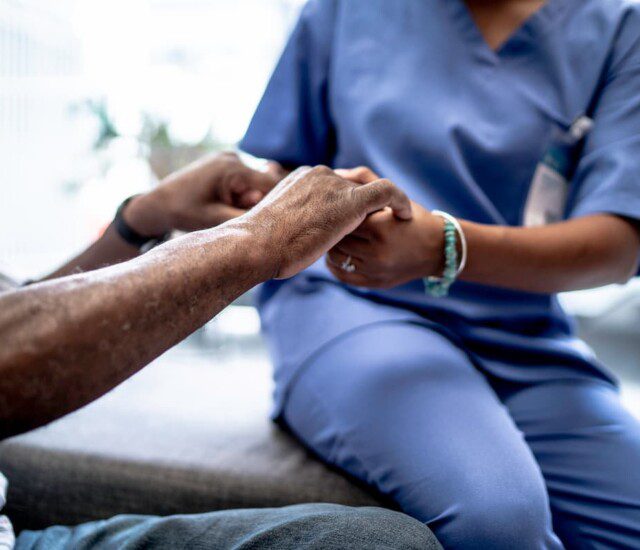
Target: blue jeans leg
313,526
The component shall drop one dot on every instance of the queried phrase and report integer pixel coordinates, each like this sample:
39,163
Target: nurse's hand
580,253
313,209
386,251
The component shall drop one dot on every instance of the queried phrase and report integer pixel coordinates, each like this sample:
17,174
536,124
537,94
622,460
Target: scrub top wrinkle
464,126
406,88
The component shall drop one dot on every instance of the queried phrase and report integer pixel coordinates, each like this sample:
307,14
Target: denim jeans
313,526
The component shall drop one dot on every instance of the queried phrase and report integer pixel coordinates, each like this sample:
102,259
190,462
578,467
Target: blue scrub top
411,89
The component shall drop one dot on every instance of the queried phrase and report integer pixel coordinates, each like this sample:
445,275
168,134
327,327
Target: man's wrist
263,251
147,215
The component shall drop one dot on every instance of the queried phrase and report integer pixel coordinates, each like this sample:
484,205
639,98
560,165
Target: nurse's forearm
580,253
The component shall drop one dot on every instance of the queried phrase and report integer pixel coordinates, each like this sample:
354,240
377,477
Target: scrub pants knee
400,407
588,448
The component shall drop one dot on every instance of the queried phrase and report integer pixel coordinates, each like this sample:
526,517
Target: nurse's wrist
432,246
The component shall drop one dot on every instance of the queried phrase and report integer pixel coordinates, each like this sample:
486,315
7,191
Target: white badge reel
549,188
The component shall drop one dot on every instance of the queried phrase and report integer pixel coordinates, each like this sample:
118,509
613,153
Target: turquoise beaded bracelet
439,286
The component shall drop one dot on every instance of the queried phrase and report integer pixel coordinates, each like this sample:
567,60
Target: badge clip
549,188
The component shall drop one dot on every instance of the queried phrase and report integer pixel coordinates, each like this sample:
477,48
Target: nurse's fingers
276,170
356,246
353,279
338,259
250,198
374,225
361,174
381,193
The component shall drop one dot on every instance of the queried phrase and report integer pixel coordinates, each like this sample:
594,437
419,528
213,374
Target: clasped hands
384,250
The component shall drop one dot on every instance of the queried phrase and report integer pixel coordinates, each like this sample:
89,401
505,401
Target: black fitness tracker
130,235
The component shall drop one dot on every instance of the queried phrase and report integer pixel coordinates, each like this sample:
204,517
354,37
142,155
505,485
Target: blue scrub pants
485,463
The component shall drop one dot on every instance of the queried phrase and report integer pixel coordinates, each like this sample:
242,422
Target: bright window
196,67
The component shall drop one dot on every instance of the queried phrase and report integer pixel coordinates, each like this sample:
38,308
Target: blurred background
99,99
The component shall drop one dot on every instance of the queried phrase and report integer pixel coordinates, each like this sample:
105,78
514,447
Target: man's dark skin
68,340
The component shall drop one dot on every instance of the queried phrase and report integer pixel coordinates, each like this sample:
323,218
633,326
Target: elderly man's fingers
300,172
361,174
380,193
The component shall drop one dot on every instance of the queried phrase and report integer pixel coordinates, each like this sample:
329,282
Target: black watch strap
129,234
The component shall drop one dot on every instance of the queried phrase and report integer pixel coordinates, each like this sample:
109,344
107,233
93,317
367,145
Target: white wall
197,63
39,72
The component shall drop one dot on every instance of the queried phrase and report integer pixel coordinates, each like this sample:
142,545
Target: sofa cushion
185,435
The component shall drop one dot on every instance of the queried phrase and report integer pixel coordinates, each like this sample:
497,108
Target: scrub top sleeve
292,124
608,176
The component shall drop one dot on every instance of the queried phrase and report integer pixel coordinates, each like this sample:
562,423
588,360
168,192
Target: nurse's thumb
382,193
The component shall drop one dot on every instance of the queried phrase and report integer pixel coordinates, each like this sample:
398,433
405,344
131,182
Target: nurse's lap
399,406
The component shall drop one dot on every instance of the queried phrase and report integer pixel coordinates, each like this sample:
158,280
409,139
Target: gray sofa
180,437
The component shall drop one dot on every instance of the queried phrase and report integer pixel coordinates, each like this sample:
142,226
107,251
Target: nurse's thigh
588,447
400,407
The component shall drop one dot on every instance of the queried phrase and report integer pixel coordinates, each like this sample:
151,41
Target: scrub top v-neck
532,27
412,89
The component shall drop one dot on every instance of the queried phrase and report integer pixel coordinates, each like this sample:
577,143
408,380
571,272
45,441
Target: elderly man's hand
206,193
313,209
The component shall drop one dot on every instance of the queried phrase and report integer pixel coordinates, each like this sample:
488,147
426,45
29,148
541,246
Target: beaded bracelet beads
439,286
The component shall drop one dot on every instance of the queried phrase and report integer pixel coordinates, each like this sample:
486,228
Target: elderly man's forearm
67,342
